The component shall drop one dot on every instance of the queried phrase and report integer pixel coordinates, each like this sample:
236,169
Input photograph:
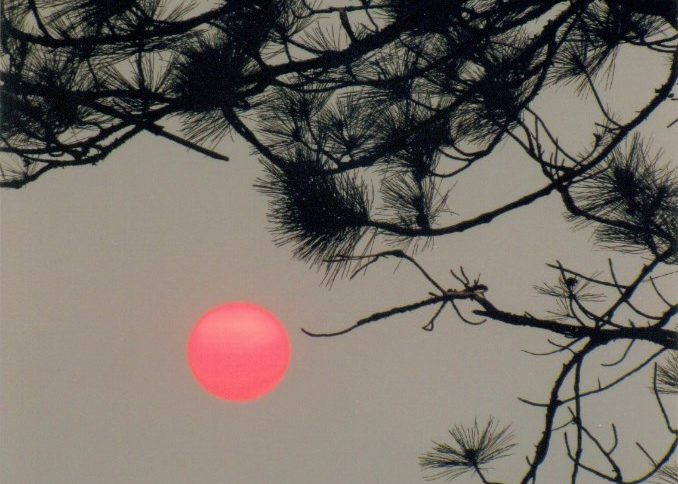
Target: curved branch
379,316
542,447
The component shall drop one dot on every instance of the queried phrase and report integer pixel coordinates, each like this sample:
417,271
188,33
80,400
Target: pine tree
366,116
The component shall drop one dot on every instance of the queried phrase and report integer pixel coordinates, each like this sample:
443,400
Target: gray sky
104,271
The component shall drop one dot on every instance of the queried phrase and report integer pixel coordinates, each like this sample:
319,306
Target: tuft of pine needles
634,201
667,375
322,215
472,449
666,475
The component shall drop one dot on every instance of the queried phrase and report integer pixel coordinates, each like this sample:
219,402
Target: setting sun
238,351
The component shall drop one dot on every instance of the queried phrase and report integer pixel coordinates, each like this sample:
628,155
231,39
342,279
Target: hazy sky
104,271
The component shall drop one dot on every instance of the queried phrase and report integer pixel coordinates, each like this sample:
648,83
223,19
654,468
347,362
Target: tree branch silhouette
366,115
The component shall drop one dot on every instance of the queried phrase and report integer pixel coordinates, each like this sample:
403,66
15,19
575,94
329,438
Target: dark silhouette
366,115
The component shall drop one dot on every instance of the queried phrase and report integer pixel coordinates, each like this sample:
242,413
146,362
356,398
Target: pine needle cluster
668,474
667,375
634,199
322,215
472,449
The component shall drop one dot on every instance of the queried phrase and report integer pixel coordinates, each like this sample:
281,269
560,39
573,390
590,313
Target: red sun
238,352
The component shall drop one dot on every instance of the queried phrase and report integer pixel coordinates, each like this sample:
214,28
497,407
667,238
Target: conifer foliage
366,115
